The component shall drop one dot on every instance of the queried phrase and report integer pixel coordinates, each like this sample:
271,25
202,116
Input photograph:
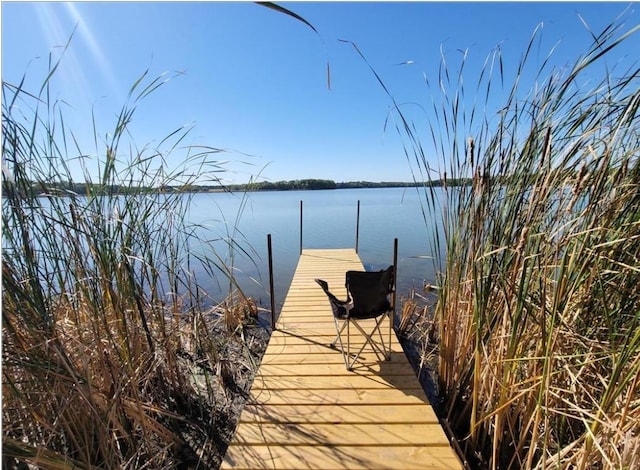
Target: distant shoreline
69,188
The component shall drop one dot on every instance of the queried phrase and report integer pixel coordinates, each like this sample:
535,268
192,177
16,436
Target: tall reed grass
539,300
109,356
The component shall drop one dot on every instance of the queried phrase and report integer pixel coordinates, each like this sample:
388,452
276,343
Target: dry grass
539,306
111,358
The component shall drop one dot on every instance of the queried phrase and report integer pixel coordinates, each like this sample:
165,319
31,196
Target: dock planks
307,411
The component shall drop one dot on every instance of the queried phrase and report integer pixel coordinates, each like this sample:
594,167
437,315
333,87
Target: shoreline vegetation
536,328
111,355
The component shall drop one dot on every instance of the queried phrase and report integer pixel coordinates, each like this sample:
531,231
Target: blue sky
252,81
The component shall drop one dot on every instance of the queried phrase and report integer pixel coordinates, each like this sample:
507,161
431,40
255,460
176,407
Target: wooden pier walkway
307,411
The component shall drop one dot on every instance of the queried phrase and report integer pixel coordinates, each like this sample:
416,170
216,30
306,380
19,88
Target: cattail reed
539,306
109,354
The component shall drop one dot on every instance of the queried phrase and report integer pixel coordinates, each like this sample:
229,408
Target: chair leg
371,342
376,343
338,339
339,330
379,347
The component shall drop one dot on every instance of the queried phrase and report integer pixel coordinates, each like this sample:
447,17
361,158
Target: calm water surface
329,221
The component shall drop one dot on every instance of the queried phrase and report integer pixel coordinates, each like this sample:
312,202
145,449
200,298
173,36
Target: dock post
357,225
395,284
271,294
300,227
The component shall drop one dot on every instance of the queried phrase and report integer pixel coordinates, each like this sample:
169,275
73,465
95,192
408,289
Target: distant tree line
63,188
310,184
397,184
303,184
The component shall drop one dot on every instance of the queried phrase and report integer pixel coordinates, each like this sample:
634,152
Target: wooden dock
307,411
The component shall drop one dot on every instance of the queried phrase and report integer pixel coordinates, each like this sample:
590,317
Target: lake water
329,221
